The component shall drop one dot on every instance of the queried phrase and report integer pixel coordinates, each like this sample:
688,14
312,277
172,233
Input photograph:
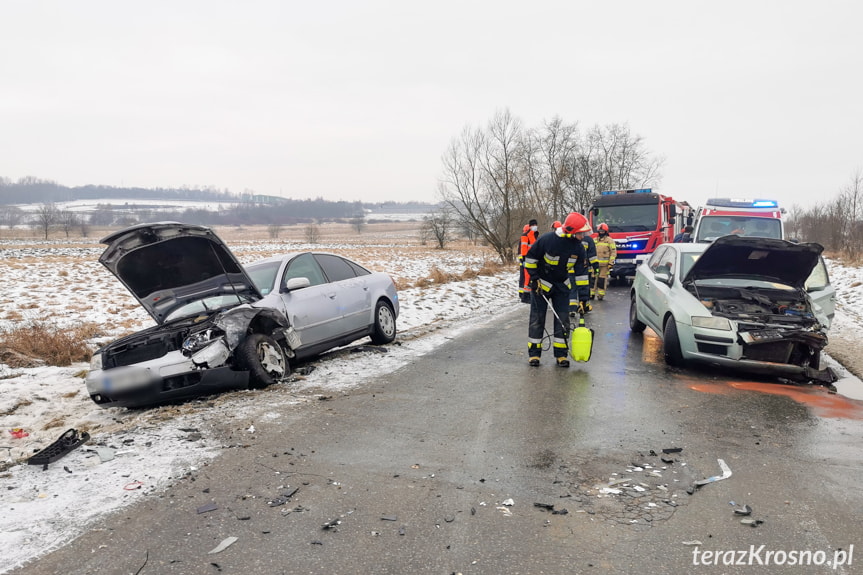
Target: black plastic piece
67,442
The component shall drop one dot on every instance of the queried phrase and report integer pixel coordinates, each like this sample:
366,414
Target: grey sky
358,100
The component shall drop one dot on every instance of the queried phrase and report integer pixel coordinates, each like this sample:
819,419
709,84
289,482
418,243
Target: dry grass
41,341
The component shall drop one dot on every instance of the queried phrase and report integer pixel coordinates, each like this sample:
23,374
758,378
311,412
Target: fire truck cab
725,216
639,221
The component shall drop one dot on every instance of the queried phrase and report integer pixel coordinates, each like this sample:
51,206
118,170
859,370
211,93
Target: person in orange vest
606,253
528,238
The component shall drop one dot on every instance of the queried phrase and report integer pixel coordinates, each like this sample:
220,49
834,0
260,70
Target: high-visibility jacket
527,240
551,259
606,250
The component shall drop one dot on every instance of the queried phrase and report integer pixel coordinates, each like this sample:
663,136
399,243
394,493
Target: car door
313,310
820,290
654,293
352,294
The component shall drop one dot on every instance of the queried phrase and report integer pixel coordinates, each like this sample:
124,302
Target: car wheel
384,329
264,359
634,324
671,343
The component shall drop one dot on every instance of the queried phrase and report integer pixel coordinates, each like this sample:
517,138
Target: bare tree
358,223
273,231
67,220
84,226
11,216
481,186
312,233
45,218
438,226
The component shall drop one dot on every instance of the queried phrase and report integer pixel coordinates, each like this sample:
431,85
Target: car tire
671,343
264,359
635,325
384,328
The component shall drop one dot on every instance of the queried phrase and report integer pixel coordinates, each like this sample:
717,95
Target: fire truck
638,221
724,216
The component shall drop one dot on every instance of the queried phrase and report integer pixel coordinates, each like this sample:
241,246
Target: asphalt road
470,461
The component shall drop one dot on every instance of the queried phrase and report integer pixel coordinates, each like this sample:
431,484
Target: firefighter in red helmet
549,263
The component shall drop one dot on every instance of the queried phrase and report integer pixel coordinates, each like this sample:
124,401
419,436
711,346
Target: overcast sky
350,100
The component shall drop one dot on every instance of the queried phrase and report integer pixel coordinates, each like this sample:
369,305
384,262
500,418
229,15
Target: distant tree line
143,205
495,179
836,224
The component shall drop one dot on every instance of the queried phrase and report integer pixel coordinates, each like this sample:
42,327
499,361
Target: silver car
757,304
221,326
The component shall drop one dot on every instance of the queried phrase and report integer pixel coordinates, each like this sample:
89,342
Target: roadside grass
45,343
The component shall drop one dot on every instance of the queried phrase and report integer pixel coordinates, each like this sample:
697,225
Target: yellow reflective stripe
559,343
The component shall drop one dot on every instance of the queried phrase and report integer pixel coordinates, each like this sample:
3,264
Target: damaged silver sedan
221,326
756,304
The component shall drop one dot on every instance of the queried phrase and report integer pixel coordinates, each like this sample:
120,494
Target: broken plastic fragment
331,524
745,510
695,542
207,508
508,502
18,433
752,522
726,473
226,542
672,450
65,444
105,453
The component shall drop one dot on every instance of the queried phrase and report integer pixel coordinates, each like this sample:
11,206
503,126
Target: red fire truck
638,221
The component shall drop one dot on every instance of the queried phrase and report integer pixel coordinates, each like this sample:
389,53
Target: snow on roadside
43,509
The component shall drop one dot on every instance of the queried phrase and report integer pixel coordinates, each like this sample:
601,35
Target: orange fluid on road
816,398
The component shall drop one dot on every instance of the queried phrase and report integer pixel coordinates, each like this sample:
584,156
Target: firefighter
606,252
549,265
579,299
528,238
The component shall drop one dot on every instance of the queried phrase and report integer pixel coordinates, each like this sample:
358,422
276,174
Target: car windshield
264,275
712,227
686,261
631,218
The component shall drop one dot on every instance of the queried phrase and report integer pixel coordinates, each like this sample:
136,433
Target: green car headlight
712,323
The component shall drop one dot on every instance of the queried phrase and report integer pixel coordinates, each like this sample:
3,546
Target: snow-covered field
141,452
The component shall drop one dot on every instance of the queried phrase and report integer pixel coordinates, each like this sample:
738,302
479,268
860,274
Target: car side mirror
663,276
296,283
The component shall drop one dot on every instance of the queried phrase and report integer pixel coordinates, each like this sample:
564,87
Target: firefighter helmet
603,227
575,223
556,224
526,228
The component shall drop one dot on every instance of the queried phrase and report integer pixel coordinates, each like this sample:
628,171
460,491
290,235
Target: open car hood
764,259
166,265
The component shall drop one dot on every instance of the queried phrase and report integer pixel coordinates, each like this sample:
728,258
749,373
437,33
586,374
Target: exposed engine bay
773,325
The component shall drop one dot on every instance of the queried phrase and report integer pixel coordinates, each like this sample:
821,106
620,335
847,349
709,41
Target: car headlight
712,323
96,362
213,355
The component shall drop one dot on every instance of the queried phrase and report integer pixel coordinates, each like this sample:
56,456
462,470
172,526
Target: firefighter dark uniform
606,253
549,263
579,300
528,238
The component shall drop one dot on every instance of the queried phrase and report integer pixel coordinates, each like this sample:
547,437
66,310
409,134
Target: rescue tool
580,343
